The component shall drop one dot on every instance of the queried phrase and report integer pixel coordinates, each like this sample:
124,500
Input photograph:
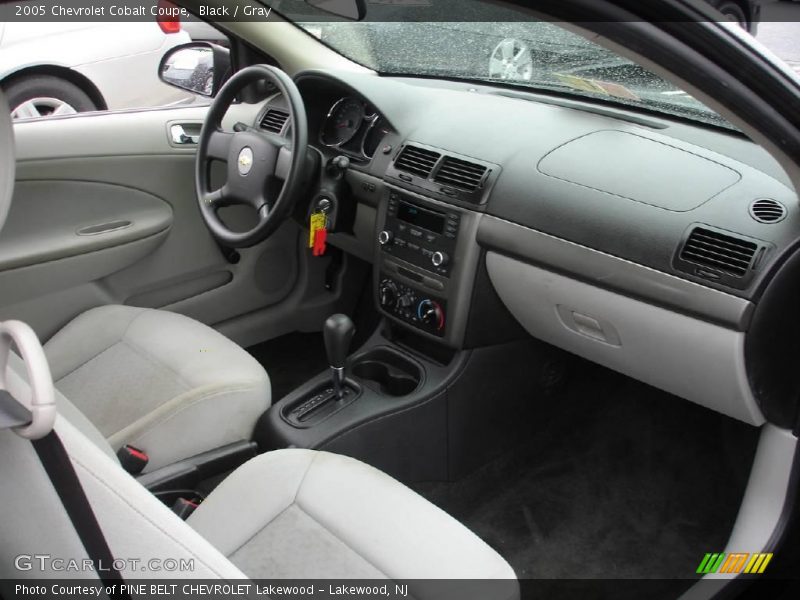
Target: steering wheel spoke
217,199
283,165
264,212
219,145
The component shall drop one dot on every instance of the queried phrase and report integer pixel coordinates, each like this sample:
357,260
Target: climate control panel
412,306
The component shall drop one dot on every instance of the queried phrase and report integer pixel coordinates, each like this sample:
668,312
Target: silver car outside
51,69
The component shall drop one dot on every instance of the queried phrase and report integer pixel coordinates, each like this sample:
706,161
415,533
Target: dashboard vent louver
718,251
274,120
460,173
416,160
767,210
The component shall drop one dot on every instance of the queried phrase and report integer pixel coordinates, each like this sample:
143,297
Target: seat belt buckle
183,507
132,459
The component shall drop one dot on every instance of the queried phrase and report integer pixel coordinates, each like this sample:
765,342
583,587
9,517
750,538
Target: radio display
427,219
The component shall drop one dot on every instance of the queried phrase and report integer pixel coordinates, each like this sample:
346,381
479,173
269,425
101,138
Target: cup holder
387,372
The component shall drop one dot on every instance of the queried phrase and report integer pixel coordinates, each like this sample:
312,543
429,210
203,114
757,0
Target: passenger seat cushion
158,380
307,514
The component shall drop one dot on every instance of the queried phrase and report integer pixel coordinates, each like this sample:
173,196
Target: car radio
419,235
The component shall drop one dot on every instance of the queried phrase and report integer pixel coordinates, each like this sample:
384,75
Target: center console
425,264
414,398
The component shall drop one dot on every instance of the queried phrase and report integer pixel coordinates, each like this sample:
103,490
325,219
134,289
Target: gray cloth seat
284,514
157,380
298,514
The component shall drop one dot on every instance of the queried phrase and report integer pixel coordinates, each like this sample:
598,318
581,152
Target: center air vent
274,120
767,210
718,251
460,173
416,160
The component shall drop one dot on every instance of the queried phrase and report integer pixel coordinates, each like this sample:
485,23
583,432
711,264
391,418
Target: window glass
61,68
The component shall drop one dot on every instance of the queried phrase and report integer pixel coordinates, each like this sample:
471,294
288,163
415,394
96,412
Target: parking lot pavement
783,39
779,30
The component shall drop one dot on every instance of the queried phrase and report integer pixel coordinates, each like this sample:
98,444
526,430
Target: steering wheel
265,171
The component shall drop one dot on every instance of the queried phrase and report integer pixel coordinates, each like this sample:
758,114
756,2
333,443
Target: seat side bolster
214,415
250,498
393,527
134,522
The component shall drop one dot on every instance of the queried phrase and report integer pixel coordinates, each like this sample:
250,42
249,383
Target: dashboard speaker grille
274,120
460,173
718,251
767,210
416,160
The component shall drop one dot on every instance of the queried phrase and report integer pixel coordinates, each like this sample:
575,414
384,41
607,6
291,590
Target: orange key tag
318,222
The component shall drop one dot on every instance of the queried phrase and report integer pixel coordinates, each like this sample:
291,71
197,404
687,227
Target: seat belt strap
35,422
59,468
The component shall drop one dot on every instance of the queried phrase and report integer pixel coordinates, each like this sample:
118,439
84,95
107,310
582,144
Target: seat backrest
137,526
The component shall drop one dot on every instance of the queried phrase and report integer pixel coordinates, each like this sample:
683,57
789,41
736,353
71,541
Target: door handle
180,136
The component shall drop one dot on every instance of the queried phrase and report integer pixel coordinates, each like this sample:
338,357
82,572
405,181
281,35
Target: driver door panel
105,212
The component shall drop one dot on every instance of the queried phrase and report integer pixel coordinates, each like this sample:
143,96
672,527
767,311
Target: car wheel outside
511,60
733,12
38,96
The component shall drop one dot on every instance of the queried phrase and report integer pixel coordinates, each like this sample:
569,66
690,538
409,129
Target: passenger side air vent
417,161
718,251
460,173
767,210
274,120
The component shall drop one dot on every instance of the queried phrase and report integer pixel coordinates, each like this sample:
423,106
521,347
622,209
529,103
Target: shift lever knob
338,333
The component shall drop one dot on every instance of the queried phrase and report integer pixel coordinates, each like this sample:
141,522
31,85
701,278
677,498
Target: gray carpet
616,480
291,360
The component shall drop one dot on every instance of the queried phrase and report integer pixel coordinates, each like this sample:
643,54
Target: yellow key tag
318,221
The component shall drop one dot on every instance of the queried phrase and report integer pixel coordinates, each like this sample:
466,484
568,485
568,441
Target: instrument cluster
354,128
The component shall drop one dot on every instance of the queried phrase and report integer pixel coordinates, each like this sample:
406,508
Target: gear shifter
338,333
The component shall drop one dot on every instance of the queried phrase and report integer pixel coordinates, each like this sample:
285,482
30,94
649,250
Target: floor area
291,360
616,480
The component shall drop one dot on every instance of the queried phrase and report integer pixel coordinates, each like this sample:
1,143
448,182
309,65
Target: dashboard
644,244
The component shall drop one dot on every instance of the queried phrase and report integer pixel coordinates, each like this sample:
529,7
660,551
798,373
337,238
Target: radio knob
387,294
439,259
384,237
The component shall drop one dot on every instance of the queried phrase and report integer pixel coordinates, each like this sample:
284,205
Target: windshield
527,53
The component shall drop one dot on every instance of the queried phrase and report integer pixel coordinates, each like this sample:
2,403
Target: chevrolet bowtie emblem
245,162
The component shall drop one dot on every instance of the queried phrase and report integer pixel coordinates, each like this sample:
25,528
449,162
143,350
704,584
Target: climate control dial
431,313
406,300
387,294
